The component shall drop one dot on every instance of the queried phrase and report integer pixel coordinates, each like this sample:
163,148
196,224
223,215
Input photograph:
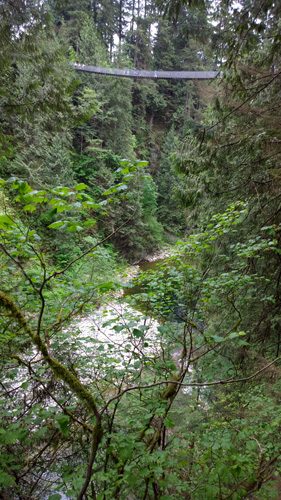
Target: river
119,335
118,331
117,338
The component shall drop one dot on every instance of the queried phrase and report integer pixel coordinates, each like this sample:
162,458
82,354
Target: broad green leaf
30,207
142,163
80,187
5,221
63,423
6,479
58,224
137,333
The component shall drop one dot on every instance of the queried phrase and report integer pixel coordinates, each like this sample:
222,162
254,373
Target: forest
140,251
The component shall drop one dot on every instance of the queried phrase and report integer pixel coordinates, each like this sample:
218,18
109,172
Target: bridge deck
141,73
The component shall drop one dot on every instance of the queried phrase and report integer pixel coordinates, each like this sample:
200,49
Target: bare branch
192,384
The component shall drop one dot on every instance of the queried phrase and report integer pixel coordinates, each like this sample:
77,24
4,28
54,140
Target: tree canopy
140,251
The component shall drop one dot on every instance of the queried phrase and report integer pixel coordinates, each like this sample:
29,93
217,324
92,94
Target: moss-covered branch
58,368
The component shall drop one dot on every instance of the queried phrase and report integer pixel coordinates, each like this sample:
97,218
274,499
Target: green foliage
84,369
171,390
236,157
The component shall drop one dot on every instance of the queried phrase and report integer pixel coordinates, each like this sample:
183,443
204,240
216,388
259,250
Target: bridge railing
141,73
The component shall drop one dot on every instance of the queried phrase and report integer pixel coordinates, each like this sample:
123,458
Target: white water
117,330
113,338
120,332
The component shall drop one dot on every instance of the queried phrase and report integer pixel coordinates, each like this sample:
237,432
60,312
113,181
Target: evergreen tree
172,388
236,156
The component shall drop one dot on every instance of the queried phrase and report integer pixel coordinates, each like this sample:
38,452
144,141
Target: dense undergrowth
172,390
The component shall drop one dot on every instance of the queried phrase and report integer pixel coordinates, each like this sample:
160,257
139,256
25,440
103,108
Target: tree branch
192,384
